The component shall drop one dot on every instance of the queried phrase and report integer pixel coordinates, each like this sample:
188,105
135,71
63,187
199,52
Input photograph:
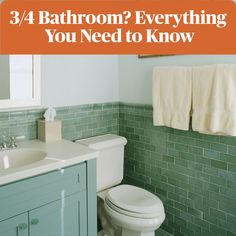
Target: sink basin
20,157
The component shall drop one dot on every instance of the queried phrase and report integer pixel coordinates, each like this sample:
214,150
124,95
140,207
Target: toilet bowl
124,210
136,211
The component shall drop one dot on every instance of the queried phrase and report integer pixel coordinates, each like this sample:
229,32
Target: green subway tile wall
77,121
193,174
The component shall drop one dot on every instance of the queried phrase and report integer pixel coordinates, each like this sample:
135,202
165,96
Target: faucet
11,144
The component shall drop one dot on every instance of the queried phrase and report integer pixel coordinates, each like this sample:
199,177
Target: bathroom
193,174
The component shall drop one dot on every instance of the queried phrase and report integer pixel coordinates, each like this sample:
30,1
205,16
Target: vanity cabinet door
66,217
15,226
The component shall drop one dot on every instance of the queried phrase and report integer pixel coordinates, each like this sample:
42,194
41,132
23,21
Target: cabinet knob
34,221
22,226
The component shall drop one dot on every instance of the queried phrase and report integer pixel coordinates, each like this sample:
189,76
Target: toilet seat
130,213
135,202
134,223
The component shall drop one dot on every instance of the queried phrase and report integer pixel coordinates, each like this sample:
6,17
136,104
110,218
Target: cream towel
214,99
172,89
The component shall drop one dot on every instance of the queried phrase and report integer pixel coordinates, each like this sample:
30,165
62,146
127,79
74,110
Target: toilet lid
134,199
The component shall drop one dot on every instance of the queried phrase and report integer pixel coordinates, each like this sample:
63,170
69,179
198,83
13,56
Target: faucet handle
3,145
12,143
4,142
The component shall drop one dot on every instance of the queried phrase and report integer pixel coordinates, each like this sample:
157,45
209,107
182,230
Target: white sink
20,157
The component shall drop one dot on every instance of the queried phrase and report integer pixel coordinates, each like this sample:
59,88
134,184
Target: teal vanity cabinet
15,226
58,203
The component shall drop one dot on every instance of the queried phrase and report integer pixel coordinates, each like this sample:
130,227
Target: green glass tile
172,152
181,147
167,228
211,187
195,166
228,158
180,206
175,227
230,233
202,223
212,138
4,116
180,222
196,150
217,213
195,228
195,196
232,150
203,144
181,162
228,140
181,139
211,154
186,216
231,184
218,180
100,106
181,192
210,219
170,145
227,205
195,182
232,167
219,164
195,212
168,158
173,211
202,160
219,147
231,222
206,233
177,176
180,132
217,231
17,115
187,231
161,232
160,191
229,192
187,156
211,171
173,196
198,205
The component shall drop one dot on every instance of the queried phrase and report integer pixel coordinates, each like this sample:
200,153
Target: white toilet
124,210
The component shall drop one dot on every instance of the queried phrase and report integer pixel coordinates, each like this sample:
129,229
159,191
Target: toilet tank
110,163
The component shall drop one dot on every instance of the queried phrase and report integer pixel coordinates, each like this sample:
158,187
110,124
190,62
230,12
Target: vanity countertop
60,154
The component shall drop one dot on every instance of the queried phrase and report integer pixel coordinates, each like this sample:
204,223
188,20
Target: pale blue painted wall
79,79
135,75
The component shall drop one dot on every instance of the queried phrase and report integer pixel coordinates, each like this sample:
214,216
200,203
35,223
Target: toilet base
105,233
108,229
127,232
117,226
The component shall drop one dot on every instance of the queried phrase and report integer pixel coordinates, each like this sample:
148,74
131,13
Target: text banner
118,27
